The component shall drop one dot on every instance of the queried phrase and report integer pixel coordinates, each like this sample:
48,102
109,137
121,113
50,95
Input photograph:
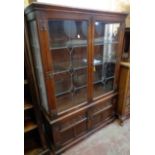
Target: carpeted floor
110,140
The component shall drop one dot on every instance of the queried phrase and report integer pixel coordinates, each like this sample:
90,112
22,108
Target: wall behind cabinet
105,5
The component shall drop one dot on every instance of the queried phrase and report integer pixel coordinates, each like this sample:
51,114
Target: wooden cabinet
76,55
124,92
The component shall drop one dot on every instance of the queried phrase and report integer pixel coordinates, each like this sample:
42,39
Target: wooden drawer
76,125
102,112
70,128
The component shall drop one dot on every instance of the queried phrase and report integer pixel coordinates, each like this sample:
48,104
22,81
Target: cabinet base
89,133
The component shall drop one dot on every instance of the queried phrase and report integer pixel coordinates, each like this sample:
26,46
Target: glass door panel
80,78
105,48
62,83
68,47
61,60
80,57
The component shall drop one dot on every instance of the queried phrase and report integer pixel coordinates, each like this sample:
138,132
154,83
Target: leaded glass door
68,44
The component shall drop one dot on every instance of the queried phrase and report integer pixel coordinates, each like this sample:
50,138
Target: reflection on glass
68,47
67,33
111,32
106,33
106,44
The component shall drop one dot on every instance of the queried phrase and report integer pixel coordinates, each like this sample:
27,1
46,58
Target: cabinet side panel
122,90
38,64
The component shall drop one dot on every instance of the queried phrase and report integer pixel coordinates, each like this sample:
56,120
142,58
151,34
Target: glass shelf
70,44
82,43
102,41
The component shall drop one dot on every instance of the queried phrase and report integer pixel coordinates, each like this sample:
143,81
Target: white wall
107,5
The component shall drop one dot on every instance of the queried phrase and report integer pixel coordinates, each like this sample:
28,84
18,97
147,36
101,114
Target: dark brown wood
89,56
48,7
126,46
68,122
80,138
119,53
29,126
42,31
123,110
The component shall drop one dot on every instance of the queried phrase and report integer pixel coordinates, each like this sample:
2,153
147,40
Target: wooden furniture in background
124,92
76,55
34,136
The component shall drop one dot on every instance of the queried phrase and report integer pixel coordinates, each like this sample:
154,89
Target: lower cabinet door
70,128
76,125
102,112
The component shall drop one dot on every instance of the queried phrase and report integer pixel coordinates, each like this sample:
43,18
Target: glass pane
106,33
80,78
80,57
106,45
61,60
67,33
62,83
68,47
70,100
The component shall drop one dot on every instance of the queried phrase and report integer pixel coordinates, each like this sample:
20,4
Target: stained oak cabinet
76,55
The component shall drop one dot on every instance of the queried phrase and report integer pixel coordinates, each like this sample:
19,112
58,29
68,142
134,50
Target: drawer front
70,128
82,122
101,117
102,112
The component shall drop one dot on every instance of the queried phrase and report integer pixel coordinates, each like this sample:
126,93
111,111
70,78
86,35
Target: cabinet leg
121,120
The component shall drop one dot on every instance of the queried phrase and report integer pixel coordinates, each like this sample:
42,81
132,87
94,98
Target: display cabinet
76,55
